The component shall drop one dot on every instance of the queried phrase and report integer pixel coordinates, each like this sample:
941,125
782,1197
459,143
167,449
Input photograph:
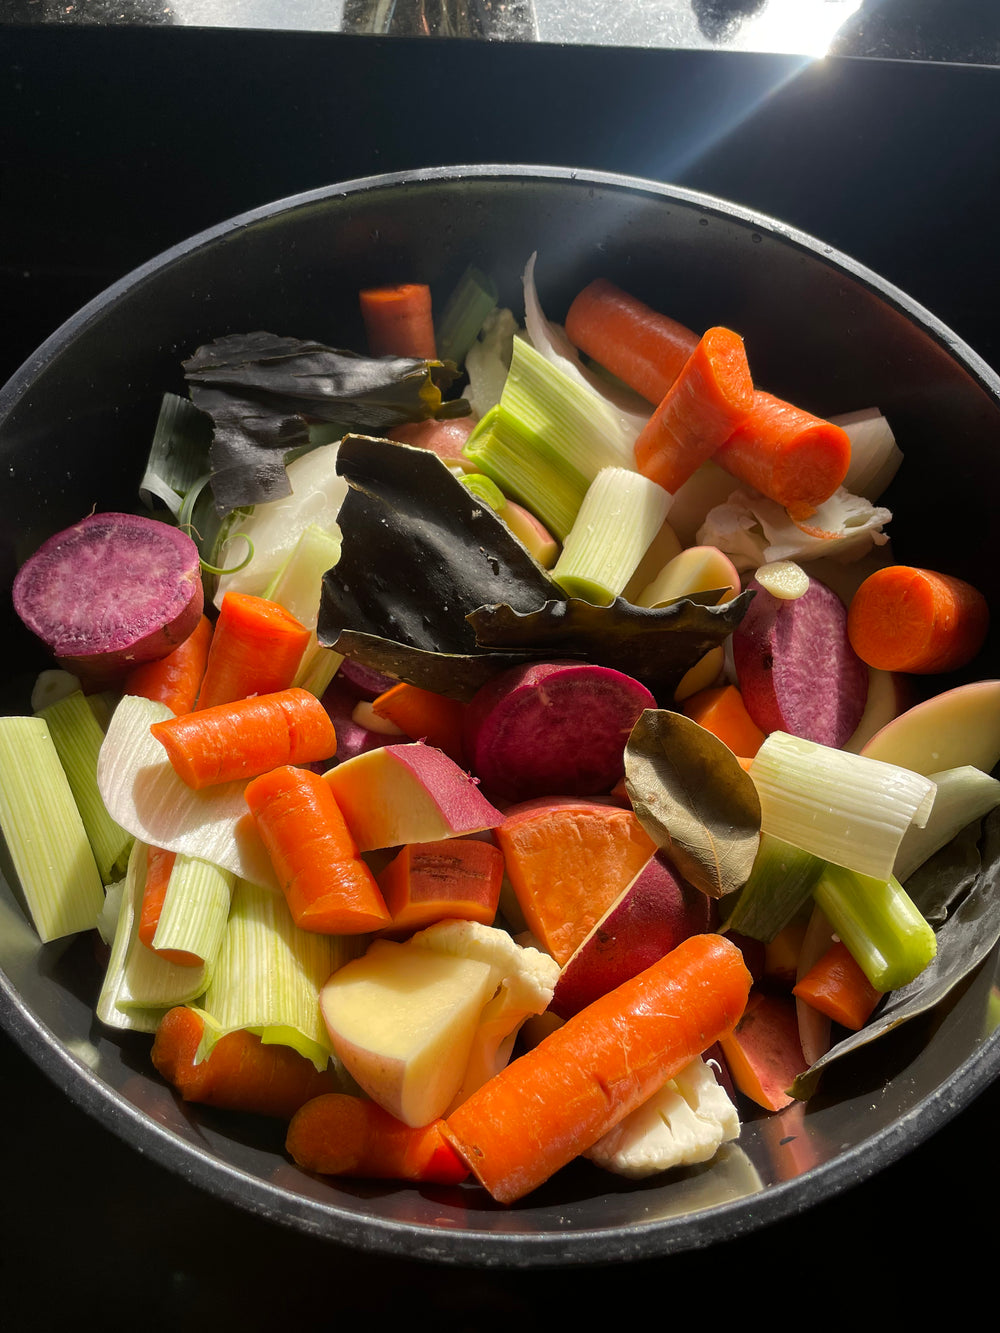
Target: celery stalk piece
526,470
45,835
139,986
621,514
195,909
268,975
472,300
298,587
178,455
77,736
878,922
780,883
842,807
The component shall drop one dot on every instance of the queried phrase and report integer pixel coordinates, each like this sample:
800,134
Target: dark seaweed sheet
261,391
961,881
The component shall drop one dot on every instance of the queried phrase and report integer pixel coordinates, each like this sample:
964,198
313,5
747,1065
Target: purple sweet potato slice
547,728
795,666
111,592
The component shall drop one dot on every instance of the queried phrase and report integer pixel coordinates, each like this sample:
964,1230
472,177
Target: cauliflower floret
686,1122
526,979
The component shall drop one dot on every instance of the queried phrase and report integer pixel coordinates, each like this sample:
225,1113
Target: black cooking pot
75,425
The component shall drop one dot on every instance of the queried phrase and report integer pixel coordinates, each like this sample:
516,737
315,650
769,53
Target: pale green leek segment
268,975
621,514
139,986
964,794
77,736
473,299
195,909
878,923
844,808
298,587
45,835
178,453
484,489
780,884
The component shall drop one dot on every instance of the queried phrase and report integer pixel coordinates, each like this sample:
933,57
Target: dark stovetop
121,141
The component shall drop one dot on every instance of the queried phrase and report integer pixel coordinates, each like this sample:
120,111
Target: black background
116,143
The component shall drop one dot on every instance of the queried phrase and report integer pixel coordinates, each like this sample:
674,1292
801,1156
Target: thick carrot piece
256,649
721,711
240,1073
837,987
917,621
710,398
329,888
787,454
453,877
560,1097
341,1135
174,680
424,716
159,867
399,321
645,349
763,1052
241,739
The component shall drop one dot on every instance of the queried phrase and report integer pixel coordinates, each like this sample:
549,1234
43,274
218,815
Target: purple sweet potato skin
795,666
111,592
552,728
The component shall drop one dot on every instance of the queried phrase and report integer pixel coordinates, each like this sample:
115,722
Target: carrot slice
240,1073
453,877
645,349
341,1135
246,737
787,454
916,620
711,396
837,987
398,320
560,1097
424,716
567,861
328,886
721,711
256,649
159,867
175,679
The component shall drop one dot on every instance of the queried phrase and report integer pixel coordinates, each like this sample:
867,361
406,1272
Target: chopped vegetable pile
499,748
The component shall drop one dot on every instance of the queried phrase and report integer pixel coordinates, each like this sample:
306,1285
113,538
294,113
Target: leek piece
526,470
45,835
139,986
178,455
842,807
621,514
298,587
780,883
268,975
963,795
875,455
486,490
77,736
878,922
472,301
488,361
195,908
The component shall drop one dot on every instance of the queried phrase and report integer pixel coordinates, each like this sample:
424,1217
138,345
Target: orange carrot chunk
328,886
453,877
837,987
721,711
560,1097
159,867
174,680
248,736
398,320
709,399
240,1073
256,649
916,620
340,1135
424,716
787,454
763,1052
645,349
